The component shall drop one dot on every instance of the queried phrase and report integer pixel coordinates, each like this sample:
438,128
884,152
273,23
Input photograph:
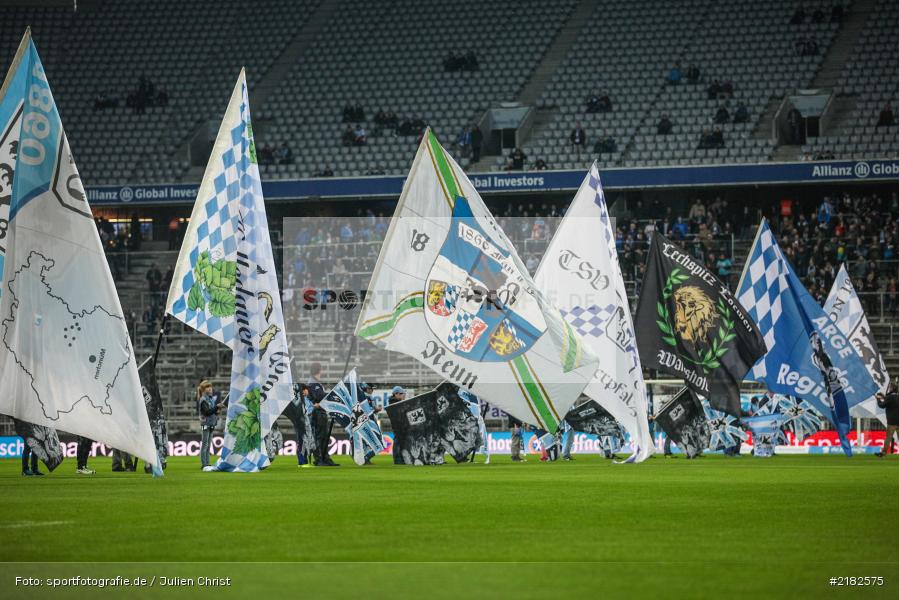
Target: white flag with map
450,290
66,360
581,275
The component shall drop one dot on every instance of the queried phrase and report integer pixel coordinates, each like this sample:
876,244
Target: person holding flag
889,402
808,357
225,286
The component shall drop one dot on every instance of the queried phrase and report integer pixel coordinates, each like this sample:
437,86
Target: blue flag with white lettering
807,355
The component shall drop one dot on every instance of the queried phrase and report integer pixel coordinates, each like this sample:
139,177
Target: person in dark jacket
477,138
208,406
515,426
321,423
890,403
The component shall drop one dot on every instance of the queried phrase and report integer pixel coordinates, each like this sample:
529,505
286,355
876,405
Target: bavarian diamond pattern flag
691,326
808,357
356,416
450,290
66,360
581,275
845,309
226,287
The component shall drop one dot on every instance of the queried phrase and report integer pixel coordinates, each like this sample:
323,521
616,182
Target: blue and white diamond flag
226,287
581,275
808,357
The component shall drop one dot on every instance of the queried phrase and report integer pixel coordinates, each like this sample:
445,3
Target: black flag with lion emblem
690,325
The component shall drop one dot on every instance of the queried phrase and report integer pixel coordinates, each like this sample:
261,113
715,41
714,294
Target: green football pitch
669,528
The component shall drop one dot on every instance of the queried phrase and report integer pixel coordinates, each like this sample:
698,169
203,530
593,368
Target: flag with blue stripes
225,286
356,415
808,357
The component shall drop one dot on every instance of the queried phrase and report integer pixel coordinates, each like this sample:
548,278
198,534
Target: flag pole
159,339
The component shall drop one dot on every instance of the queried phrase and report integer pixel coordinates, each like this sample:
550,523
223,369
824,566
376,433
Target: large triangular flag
845,309
580,274
689,324
808,357
450,290
66,360
226,287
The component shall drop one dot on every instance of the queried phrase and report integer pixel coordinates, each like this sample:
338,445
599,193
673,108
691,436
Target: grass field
668,528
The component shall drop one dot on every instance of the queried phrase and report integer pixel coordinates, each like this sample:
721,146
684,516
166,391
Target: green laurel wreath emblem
710,357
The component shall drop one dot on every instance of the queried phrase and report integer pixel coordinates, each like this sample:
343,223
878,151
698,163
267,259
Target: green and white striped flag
450,290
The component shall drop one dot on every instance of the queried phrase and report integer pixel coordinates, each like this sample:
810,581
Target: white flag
581,275
225,285
845,310
66,360
449,290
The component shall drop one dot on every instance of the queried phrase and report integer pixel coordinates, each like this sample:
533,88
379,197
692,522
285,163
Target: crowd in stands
467,61
279,154
817,16
605,144
599,102
858,230
144,96
709,139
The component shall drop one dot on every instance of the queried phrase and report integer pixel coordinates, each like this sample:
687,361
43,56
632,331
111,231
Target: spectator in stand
477,139
464,141
886,117
284,154
593,103
154,278
348,137
540,165
174,229
718,138
680,230
722,116
326,171
360,136
674,75
693,74
705,139
578,137
605,145
697,211
798,17
516,160
817,16
713,90
741,115
605,103
665,125
724,266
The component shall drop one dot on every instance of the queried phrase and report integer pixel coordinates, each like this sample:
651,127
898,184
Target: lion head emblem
695,315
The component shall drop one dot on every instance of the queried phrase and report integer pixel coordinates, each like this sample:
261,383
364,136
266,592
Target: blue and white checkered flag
226,287
808,357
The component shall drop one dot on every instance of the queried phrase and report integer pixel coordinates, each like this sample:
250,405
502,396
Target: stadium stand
627,51
869,78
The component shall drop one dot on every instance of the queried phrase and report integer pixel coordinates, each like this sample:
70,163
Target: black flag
42,440
153,401
690,325
683,420
590,417
431,425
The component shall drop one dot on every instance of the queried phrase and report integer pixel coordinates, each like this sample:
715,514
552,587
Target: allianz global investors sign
859,170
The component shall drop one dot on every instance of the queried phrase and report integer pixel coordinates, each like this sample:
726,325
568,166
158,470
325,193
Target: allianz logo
860,170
